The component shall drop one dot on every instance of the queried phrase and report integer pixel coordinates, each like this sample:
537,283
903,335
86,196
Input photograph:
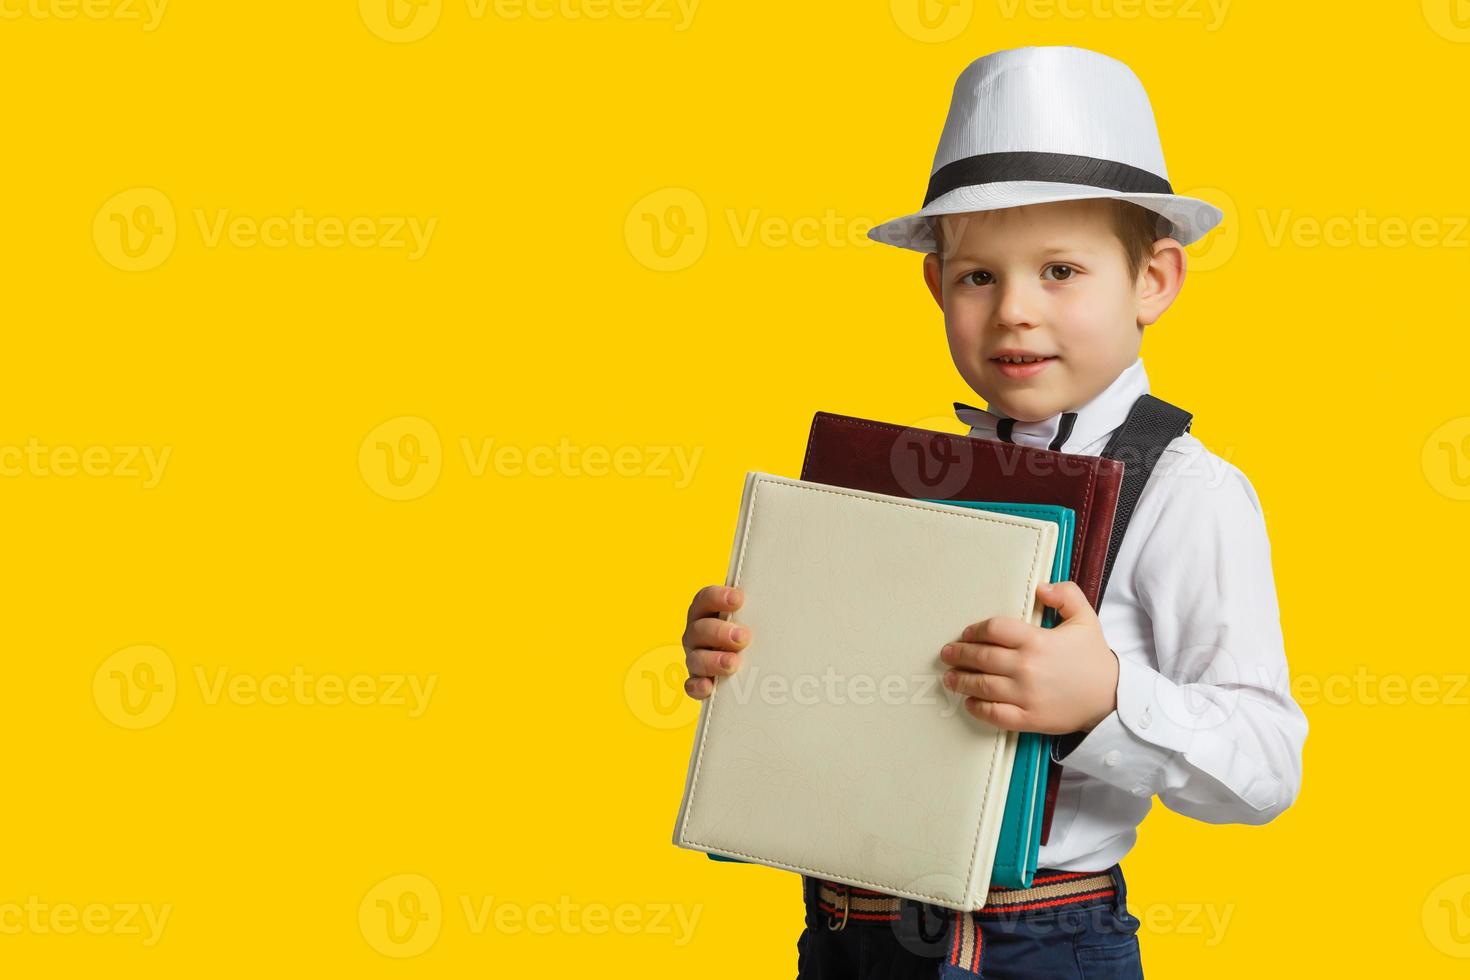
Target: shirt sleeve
1213,731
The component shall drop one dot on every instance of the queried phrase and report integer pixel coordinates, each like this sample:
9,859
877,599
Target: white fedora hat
1052,123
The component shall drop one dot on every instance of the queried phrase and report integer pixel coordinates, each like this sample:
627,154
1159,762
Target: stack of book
835,751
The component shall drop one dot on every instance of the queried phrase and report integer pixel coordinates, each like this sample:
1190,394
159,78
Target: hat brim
1190,217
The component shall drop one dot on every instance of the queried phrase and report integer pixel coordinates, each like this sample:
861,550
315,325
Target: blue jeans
1090,938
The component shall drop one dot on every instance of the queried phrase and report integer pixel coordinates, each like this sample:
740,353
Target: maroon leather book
900,461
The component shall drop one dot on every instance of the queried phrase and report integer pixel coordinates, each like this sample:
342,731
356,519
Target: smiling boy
1051,240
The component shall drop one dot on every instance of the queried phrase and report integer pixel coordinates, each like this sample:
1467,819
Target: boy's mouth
1018,365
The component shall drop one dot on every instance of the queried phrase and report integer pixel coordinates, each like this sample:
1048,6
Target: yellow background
547,767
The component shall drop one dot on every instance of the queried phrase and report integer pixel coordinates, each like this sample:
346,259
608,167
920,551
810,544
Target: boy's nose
1017,306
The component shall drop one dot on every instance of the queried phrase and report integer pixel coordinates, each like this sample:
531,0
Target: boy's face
1052,280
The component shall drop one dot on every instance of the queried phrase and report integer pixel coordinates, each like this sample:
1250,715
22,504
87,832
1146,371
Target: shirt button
1145,719
1111,759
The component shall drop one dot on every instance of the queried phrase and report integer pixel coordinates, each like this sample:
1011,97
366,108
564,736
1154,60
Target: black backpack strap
1151,425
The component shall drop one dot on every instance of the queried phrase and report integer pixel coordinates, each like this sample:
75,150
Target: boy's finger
1003,631
699,688
980,656
1067,599
715,634
711,663
986,687
713,600
998,713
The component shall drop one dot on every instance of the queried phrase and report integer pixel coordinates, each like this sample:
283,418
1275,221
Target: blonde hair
1137,229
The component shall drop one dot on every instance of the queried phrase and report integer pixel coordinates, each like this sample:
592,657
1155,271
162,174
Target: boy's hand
1026,678
712,645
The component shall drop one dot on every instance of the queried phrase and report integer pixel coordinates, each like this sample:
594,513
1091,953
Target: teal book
1019,847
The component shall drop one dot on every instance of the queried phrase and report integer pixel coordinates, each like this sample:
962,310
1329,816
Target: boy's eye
980,277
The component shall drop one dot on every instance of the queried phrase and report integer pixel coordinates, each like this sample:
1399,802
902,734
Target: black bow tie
1049,433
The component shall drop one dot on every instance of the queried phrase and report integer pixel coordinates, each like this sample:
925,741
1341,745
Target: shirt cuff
1118,750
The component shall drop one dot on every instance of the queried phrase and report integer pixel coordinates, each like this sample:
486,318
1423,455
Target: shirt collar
1072,431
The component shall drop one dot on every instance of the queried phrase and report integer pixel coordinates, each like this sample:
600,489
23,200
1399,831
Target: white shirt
1205,719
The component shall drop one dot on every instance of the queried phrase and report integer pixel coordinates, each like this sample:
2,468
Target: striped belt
842,903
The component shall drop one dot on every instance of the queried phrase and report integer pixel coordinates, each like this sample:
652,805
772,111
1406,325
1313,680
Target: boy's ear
1161,280
932,272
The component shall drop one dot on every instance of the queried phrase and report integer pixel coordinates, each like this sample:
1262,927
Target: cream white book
835,750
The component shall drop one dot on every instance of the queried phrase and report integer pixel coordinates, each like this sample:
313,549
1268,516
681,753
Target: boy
1051,238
